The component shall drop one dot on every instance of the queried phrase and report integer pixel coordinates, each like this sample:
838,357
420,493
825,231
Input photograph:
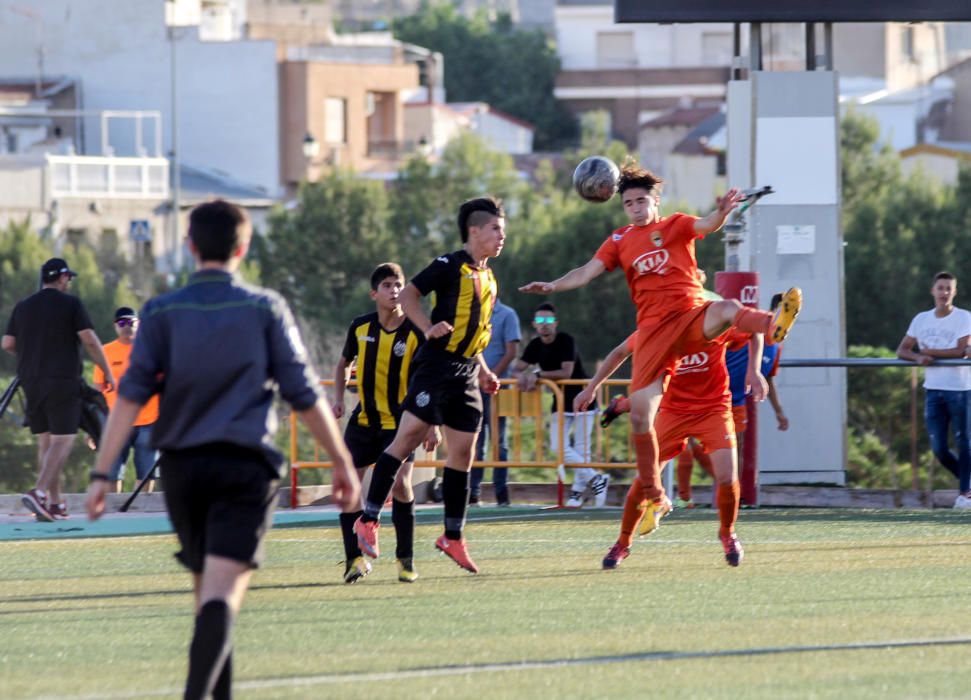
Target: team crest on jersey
422,399
657,238
652,262
400,348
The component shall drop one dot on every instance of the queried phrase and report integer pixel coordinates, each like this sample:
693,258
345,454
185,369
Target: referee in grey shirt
214,350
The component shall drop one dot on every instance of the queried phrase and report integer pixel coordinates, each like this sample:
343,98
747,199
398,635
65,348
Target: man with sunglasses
118,353
554,355
44,333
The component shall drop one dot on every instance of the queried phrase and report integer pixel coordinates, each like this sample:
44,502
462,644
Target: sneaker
575,499
733,549
598,486
59,511
504,503
615,408
616,555
36,502
406,570
786,314
681,503
367,536
473,499
962,502
456,551
654,511
356,569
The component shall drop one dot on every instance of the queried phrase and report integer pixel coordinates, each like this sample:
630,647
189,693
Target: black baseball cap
54,268
125,312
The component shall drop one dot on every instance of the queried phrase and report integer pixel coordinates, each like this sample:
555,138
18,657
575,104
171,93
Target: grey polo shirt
215,350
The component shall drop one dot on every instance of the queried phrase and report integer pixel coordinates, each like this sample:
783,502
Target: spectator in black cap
44,332
139,442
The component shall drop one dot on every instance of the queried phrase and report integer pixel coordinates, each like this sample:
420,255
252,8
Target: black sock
351,549
223,690
382,479
211,645
455,492
403,517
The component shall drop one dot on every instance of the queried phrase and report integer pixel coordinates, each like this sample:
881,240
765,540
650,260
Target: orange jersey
700,380
118,355
659,261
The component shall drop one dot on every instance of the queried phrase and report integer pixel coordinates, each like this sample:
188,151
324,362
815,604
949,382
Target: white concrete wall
943,169
227,91
693,181
656,45
898,121
502,134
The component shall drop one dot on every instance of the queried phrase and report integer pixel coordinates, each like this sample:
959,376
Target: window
335,120
616,50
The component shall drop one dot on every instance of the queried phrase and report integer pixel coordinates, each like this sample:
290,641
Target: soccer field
826,604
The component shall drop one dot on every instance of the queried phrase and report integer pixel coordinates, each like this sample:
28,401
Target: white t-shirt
933,333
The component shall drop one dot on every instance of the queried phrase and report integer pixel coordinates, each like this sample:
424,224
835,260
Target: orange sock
632,512
685,465
753,320
703,459
728,497
648,467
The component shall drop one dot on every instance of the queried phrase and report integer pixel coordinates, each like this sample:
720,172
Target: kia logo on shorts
651,262
749,295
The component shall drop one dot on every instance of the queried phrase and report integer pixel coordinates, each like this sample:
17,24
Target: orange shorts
740,416
660,346
715,431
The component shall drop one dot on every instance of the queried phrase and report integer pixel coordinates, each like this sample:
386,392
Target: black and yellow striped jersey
464,296
383,367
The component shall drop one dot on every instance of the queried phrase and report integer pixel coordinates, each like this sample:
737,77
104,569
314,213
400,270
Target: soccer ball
595,179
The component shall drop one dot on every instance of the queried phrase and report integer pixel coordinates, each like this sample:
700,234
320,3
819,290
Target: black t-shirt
551,356
464,296
46,326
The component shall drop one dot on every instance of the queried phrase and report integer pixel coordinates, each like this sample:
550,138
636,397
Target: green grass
110,617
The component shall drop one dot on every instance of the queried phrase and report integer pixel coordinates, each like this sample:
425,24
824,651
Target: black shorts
220,500
366,444
53,405
444,390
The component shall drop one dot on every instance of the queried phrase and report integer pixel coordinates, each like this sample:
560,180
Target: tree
492,61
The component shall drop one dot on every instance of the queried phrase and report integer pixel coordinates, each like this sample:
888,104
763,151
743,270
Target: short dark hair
632,176
475,212
944,275
217,229
384,271
546,306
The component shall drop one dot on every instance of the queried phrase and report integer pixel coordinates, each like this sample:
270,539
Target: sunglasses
125,322
544,319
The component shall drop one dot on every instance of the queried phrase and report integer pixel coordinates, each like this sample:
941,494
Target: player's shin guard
211,646
385,470
648,468
633,512
728,497
351,549
455,493
403,518
752,320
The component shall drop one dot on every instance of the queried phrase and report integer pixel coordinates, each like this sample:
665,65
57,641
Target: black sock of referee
351,549
382,479
455,493
223,690
403,517
211,646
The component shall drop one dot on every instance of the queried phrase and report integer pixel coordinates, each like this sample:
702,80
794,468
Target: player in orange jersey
657,255
697,404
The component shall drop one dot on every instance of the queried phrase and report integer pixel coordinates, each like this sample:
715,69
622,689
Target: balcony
107,176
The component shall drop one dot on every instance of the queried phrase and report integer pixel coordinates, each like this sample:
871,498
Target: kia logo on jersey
749,295
697,362
651,262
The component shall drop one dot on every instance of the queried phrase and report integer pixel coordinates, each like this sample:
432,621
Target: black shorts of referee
444,390
220,499
366,443
53,405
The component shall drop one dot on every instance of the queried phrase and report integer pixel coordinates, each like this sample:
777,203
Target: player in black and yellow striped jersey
382,344
449,370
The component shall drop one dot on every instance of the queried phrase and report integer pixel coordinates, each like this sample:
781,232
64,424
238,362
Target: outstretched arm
723,207
611,363
577,277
